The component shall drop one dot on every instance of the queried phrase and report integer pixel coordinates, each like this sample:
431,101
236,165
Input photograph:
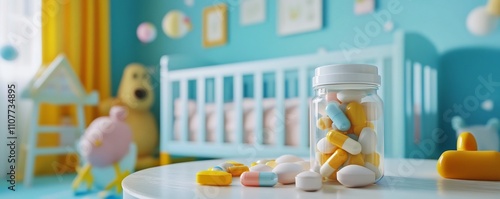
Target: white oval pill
347,96
368,140
308,181
306,165
288,158
261,168
325,147
355,176
287,171
263,161
222,167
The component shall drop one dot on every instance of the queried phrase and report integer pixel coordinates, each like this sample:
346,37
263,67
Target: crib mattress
269,121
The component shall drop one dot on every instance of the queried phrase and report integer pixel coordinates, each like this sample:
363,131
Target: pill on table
263,161
222,167
351,95
234,163
308,181
368,140
306,165
324,146
357,160
373,168
373,110
259,179
466,142
355,176
338,117
237,170
324,123
333,163
356,114
343,141
216,168
469,165
373,158
287,171
288,158
271,163
261,168
217,178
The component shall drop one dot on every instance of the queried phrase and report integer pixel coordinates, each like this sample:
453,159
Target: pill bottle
347,120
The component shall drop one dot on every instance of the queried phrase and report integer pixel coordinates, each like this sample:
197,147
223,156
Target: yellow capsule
357,160
217,178
235,163
271,163
324,123
373,158
253,164
237,170
333,164
332,177
343,141
466,142
470,165
356,114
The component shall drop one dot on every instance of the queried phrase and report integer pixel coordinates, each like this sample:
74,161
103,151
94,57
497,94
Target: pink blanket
269,121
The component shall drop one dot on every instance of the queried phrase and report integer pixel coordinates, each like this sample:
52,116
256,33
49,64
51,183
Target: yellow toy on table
466,163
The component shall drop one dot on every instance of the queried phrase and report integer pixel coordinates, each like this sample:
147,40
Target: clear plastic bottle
347,121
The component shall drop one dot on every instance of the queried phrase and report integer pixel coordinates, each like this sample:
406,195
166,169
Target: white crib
404,64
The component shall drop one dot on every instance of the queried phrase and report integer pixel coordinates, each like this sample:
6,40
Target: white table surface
404,178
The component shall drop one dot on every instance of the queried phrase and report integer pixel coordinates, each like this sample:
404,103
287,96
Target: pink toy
105,142
107,139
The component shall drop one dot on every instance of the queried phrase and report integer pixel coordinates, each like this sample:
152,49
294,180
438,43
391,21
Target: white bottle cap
346,74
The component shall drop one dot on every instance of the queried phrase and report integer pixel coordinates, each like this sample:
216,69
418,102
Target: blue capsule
337,116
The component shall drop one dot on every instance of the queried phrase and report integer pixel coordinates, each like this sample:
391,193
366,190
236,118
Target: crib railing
219,148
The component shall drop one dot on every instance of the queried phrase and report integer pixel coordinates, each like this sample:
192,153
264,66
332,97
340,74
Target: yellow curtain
79,29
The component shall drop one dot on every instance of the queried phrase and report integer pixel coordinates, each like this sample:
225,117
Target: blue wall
442,21
468,77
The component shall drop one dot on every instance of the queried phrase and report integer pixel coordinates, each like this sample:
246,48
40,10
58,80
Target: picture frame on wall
214,25
362,7
299,16
252,12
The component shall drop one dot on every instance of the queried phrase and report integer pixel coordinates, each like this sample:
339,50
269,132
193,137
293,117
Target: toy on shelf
107,142
467,163
136,94
56,84
486,136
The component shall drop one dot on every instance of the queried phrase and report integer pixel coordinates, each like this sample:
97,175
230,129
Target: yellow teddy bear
136,94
